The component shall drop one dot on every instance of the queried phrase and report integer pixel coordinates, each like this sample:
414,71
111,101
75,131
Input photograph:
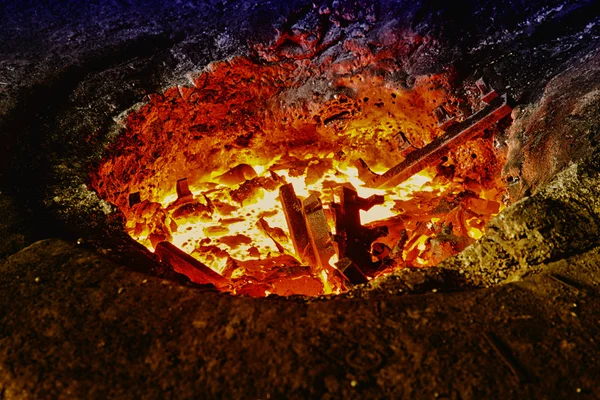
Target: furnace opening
272,177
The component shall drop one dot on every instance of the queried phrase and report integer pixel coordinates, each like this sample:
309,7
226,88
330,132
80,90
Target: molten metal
240,171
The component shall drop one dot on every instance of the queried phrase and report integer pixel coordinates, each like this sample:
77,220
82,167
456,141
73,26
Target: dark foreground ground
514,316
77,326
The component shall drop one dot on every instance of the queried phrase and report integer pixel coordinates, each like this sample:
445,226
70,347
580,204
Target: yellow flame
234,233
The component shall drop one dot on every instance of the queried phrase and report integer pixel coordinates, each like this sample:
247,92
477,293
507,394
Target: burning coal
258,171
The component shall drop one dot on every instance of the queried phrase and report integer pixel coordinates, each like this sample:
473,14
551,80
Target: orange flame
246,128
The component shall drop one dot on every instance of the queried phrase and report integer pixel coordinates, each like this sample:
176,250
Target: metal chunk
402,142
351,271
236,175
134,198
444,119
352,238
292,208
432,152
380,250
364,172
318,231
487,92
568,282
264,227
189,266
183,190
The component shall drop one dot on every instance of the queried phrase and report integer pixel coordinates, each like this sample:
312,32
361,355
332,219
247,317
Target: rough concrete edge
560,221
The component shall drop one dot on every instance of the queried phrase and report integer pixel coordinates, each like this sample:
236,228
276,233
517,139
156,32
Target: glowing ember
248,128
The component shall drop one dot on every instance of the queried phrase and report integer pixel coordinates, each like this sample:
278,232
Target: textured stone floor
74,325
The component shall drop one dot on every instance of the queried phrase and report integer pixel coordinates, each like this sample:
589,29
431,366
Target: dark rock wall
557,131
68,68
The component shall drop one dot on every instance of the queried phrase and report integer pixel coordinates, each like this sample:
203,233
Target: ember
266,174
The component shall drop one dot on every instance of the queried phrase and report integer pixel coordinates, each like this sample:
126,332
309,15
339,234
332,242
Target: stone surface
16,226
559,221
74,325
558,130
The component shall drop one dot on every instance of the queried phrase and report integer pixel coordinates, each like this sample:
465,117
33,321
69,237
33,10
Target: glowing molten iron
246,128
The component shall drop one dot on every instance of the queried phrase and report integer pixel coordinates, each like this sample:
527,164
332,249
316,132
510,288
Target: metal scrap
187,265
183,190
354,240
318,230
456,134
292,208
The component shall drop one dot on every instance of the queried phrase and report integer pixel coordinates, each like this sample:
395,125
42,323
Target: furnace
280,157
299,199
